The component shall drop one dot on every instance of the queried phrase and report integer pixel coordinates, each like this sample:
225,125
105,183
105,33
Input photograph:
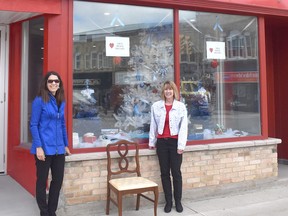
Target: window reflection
113,92
221,89
32,71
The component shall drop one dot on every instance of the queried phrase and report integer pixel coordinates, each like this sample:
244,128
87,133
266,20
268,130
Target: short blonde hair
167,85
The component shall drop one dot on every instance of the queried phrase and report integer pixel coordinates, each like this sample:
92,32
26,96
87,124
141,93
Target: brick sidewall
85,180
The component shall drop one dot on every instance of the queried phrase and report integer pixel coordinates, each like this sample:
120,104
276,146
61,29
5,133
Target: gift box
196,136
89,138
75,139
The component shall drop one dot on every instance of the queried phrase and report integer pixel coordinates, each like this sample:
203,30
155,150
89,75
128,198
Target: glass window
87,61
77,60
94,59
220,74
131,49
32,70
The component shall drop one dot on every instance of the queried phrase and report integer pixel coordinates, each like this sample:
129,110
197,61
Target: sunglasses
51,81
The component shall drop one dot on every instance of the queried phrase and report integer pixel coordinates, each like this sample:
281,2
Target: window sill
189,148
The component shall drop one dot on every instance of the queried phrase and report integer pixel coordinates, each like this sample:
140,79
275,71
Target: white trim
24,81
4,69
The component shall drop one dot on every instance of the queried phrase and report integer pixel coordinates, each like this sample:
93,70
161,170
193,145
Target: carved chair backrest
122,159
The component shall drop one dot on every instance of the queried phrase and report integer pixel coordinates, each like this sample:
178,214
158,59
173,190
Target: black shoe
168,207
179,207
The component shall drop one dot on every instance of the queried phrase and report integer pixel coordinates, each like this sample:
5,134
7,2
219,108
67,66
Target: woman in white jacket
168,134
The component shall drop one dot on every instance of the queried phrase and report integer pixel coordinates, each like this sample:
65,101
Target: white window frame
77,61
87,61
94,61
4,70
24,81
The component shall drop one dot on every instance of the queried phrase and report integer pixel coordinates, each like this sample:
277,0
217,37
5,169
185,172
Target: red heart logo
111,45
211,50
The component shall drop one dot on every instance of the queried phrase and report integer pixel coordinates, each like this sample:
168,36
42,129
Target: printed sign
215,50
90,82
117,46
237,77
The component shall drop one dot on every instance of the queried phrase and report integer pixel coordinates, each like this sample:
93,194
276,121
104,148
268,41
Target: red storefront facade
58,55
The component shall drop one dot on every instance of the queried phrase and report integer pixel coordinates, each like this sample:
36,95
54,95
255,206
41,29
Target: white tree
151,64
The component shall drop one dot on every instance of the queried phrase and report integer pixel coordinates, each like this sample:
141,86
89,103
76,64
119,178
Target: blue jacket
48,128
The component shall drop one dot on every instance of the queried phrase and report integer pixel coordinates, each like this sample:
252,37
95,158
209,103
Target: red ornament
154,91
214,63
117,60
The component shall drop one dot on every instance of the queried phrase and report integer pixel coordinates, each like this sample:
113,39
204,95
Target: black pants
170,160
56,164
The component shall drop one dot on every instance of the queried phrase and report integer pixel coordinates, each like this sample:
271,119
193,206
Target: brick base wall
203,166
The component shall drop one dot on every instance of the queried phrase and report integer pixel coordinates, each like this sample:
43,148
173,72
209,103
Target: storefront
228,60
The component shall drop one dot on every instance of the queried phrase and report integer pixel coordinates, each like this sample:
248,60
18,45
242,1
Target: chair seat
131,183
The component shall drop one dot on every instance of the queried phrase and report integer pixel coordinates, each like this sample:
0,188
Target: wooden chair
126,155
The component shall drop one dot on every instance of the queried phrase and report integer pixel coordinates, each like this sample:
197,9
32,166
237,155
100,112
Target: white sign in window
117,46
215,50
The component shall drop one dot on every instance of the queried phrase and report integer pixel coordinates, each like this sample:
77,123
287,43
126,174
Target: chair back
126,156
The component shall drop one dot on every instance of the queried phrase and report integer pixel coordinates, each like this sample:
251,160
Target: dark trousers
56,164
170,160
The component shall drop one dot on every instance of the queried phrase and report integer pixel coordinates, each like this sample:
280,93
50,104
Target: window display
130,57
122,58
220,74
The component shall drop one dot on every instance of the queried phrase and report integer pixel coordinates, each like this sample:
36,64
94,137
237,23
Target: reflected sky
92,16
89,16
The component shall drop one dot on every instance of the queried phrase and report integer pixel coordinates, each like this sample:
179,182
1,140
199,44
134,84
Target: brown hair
44,91
167,85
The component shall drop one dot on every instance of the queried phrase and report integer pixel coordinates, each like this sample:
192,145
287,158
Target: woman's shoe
168,207
179,207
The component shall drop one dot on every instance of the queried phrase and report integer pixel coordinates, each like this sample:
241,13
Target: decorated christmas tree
151,64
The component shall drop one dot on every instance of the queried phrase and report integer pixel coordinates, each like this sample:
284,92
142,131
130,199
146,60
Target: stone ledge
189,148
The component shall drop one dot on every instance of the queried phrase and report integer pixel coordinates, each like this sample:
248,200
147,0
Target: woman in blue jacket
49,141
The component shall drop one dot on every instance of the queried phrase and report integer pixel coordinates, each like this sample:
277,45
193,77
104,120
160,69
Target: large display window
220,74
122,54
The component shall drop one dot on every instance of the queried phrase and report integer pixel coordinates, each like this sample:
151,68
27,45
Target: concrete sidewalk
266,199
268,202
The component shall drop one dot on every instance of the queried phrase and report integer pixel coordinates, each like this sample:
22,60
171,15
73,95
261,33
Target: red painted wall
277,45
20,163
58,52
271,96
38,6
264,7
279,4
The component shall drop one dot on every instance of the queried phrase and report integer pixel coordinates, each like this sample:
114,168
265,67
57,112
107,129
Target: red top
166,131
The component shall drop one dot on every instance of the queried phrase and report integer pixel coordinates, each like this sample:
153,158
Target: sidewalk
268,202
267,199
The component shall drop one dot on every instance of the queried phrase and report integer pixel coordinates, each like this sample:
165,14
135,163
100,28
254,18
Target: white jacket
177,121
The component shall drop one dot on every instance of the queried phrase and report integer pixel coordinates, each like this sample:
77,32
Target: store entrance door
3,100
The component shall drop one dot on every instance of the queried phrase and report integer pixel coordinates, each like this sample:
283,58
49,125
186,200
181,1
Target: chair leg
108,201
119,198
156,195
138,202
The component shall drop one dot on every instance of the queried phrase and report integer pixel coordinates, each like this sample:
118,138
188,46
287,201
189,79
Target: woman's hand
152,148
180,151
67,151
40,154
